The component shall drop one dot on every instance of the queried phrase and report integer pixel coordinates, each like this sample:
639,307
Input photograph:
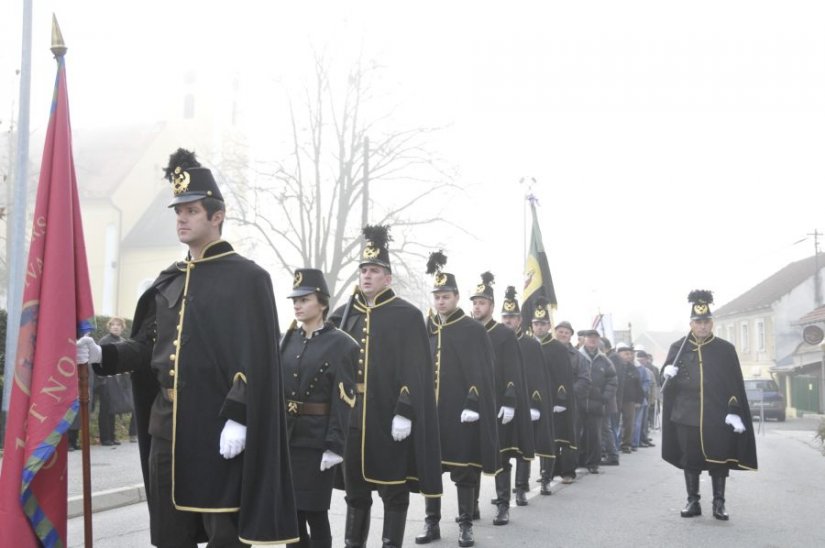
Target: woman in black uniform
318,364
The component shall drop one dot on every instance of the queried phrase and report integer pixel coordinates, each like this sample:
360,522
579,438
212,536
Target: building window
744,339
760,335
731,335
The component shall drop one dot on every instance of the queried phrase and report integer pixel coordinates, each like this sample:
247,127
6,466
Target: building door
805,392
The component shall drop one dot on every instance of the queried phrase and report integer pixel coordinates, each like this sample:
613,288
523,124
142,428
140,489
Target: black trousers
396,497
106,420
692,459
591,439
173,528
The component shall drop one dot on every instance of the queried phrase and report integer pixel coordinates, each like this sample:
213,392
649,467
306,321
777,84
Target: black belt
296,408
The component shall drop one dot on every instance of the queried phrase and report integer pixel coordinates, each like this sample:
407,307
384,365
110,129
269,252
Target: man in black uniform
561,375
393,442
706,420
515,430
581,388
540,390
206,377
464,390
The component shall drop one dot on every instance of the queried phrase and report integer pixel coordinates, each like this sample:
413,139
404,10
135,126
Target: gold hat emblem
440,279
480,288
700,308
180,181
540,313
509,306
371,252
298,279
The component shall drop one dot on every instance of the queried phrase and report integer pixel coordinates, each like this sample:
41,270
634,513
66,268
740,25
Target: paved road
636,504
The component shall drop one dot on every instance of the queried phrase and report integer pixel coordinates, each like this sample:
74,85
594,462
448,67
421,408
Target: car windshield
764,386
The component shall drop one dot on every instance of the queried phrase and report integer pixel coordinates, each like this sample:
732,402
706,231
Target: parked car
764,395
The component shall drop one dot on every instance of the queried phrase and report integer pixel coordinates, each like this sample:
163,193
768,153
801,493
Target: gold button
364,329
363,340
295,375
360,373
172,357
171,372
360,361
175,343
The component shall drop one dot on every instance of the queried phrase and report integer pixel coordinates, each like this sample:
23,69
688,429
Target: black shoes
593,469
610,461
521,497
545,487
431,532
692,486
502,514
719,498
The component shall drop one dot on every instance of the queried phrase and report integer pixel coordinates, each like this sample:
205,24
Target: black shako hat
700,301
308,280
541,312
510,305
376,239
190,180
485,288
442,281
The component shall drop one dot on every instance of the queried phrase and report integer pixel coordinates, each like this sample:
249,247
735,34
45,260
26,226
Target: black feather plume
542,302
510,293
180,158
379,235
487,278
701,296
436,262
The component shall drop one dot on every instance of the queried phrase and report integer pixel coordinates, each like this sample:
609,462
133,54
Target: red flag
57,300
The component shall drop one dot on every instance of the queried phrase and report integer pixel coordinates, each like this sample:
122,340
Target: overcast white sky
677,145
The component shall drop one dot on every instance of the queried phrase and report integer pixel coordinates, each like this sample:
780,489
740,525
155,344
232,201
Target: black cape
464,380
561,373
395,375
722,391
540,391
515,439
228,366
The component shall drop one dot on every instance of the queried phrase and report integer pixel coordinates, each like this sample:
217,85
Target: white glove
506,414
233,439
736,422
559,409
330,459
535,414
670,371
401,427
468,415
88,351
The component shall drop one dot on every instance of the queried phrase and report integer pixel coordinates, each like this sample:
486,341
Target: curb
108,500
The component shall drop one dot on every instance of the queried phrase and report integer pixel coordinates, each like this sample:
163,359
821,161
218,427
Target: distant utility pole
817,285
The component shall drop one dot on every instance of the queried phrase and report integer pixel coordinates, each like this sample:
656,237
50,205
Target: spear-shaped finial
58,45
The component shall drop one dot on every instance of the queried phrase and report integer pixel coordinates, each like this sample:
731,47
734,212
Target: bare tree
308,207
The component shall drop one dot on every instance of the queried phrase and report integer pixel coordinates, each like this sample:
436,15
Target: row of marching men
381,399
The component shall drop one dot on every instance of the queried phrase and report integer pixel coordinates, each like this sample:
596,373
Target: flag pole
59,49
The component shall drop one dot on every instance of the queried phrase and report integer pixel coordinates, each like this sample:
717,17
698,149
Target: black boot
320,543
476,511
545,475
522,481
503,492
692,484
466,500
357,527
718,483
395,522
432,529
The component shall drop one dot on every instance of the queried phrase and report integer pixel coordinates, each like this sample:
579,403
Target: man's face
373,279
563,334
591,342
194,228
642,359
116,329
541,328
445,302
307,308
626,356
482,309
513,322
701,329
